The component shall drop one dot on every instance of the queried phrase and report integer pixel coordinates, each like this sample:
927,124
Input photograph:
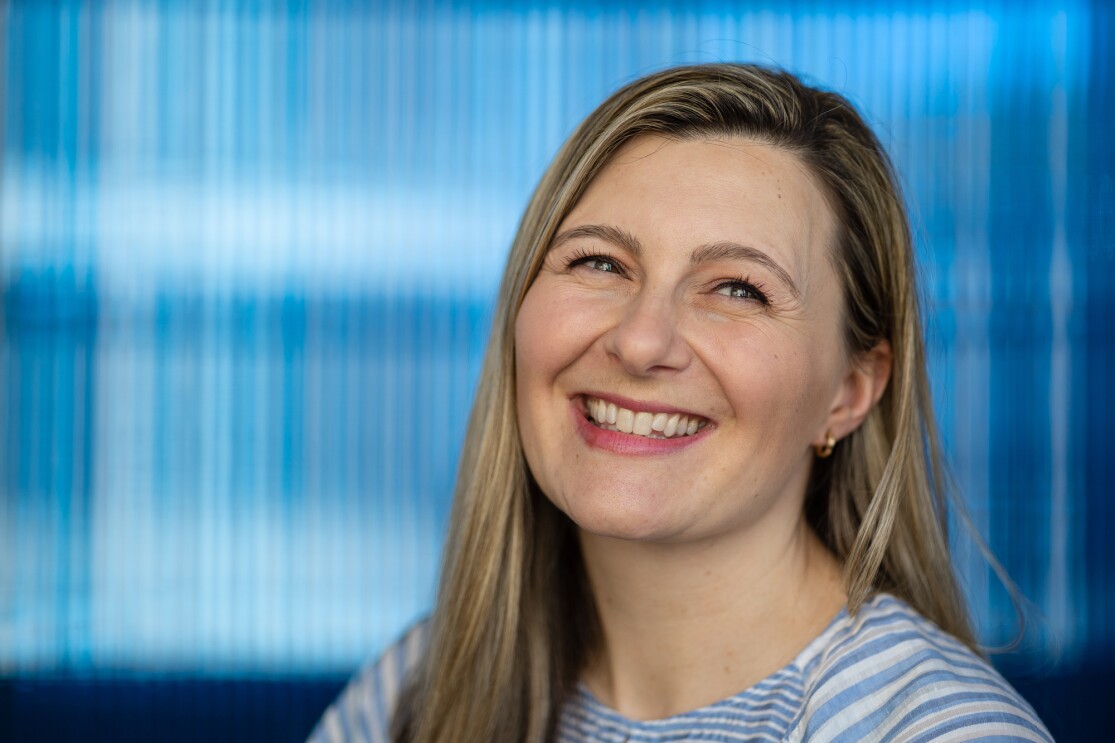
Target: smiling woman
700,496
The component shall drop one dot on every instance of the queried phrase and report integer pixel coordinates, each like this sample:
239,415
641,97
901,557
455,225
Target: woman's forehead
694,192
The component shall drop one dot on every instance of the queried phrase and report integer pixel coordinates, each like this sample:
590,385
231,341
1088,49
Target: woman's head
870,253
513,612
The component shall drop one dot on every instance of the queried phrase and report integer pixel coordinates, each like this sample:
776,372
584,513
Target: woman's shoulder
888,673
363,710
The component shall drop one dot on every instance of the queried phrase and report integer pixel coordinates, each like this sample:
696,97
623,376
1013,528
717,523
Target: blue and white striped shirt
886,674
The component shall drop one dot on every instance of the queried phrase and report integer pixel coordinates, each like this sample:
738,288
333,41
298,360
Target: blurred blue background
248,252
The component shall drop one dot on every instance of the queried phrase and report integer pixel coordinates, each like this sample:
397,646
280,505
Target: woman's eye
598,263
741,290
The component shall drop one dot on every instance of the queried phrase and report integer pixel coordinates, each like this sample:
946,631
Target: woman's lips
634,443
655,421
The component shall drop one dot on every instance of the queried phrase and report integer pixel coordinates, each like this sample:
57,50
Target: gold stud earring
825,450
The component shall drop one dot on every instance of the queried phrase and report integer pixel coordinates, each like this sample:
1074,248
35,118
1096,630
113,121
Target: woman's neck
684,625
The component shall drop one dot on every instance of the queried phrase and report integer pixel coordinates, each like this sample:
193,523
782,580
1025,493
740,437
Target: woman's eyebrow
605,232
725,250
735,251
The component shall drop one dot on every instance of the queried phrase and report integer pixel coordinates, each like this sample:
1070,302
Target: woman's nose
646,337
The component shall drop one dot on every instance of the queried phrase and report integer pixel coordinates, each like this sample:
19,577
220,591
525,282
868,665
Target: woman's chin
639,521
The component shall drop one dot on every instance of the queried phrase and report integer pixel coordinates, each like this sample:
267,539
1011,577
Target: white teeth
656,425
672,425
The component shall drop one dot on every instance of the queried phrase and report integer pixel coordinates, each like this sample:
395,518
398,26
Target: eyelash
751,287
581,256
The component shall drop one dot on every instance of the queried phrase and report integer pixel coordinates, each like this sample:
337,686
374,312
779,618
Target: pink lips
618,442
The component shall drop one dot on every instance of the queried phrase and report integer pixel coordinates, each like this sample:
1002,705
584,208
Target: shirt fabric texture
885,674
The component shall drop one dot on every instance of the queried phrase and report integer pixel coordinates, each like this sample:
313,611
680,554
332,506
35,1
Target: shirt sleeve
898,677
363,711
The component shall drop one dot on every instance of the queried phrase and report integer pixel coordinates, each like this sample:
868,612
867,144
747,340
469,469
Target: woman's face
680,350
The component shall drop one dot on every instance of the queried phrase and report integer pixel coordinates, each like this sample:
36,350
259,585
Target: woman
700,496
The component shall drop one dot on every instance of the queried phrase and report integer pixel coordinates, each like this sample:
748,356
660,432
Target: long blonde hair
514,619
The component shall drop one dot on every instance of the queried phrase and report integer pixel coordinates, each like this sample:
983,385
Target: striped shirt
885,674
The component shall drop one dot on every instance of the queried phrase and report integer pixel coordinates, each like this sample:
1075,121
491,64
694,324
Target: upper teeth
655,425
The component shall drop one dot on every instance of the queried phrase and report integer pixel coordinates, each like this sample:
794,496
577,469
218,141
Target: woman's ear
860,391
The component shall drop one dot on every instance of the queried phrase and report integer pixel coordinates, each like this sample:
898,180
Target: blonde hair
514,619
